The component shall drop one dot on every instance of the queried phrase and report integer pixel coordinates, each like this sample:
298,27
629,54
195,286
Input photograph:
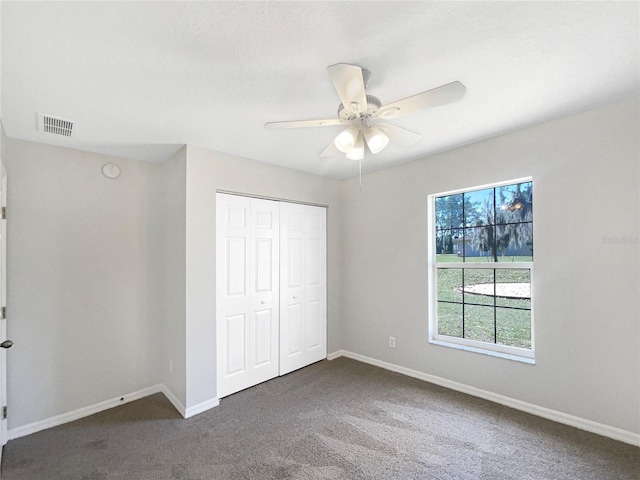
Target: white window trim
486,348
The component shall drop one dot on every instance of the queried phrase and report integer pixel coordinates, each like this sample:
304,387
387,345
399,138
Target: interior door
247,256
303,285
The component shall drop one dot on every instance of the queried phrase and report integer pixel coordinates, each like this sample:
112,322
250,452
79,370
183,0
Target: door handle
6,344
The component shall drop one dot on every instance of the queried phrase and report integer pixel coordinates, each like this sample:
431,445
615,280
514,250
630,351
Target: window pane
513,288
478,208
478,286
513,327
448,243
450,319
499,243
514,242
479,244
449,284
514,210
449,212
514,203
478,323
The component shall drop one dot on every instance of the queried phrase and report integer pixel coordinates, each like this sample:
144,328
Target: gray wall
108,280
169,263
585,174
78,280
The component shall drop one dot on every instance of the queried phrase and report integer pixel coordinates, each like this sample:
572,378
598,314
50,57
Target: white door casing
247,289
3,302
303,285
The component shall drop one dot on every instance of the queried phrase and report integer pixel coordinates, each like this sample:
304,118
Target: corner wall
78,280
111,286
167,218
585,170
208,171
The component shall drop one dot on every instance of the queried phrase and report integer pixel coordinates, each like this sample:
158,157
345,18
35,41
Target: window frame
493,349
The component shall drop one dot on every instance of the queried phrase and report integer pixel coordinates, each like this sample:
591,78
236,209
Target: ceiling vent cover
55,125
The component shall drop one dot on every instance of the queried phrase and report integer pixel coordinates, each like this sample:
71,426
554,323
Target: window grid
496,225
494,302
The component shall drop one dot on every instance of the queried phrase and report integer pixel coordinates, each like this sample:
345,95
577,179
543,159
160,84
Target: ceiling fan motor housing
373,104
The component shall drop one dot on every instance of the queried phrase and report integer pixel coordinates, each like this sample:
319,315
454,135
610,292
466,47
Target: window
481,268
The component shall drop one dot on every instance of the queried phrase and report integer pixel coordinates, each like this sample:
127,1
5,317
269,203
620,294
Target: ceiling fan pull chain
360,163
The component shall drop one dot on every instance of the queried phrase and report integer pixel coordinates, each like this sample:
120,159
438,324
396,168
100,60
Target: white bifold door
303,286
271,289
247,285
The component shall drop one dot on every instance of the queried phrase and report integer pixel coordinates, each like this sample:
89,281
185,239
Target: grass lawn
486,318
452,257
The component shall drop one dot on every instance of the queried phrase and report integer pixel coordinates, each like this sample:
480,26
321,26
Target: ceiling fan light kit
346,139
361,111
357,152
376,140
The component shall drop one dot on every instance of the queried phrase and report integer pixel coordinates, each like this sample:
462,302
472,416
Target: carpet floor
332,420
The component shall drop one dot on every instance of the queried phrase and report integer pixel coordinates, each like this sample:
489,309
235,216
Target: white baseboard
81,412
177,404
191,411
107,404
201,407
338,353
560,417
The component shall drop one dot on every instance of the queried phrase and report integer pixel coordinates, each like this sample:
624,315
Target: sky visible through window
492,224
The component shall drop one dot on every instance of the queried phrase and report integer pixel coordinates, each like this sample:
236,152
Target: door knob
6,344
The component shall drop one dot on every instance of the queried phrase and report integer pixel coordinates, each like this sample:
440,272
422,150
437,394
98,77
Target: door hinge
4,413
3,313
4,213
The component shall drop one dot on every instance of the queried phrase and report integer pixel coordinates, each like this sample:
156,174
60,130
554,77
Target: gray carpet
332,420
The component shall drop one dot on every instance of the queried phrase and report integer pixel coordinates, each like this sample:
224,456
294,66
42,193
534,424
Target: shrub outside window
481,269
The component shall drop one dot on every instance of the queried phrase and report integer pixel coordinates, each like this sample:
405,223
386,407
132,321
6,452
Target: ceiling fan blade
306,123
348,82
449,93
331,151
398,135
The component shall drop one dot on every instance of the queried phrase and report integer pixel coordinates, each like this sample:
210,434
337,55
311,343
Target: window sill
483,351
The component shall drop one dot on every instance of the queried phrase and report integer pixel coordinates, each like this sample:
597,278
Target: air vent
57,126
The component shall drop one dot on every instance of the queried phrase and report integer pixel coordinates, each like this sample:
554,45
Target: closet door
303,285
247,289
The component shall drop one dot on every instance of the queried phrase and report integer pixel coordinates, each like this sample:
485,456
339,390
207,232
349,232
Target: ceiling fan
364,115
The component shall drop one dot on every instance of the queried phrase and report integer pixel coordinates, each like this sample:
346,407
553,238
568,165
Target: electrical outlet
392,342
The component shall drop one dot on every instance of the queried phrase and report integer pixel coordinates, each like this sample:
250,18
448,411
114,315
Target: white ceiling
140,79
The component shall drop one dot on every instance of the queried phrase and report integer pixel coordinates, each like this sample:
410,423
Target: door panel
314,324
236,339
294,330
263,327
264,264
313,262
247,278
294,249
303,292
236,268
